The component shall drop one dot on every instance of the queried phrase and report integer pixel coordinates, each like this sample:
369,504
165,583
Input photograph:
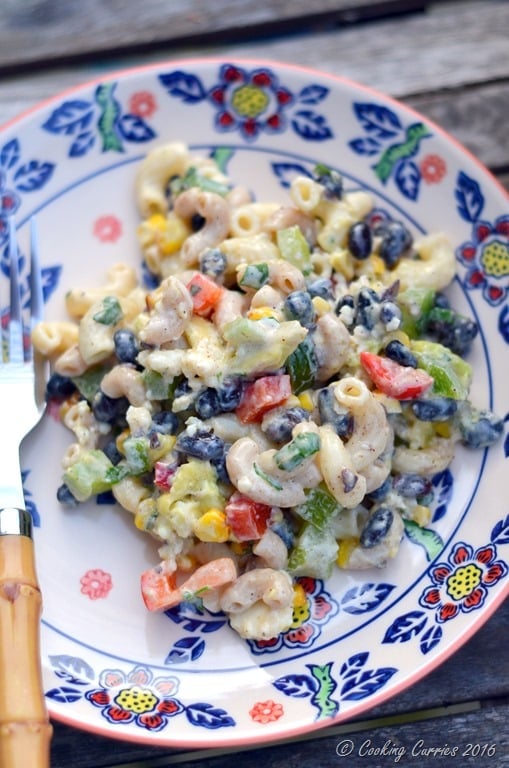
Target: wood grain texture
39,30
457,75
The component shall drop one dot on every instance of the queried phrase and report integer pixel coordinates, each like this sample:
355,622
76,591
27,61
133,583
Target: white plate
187,679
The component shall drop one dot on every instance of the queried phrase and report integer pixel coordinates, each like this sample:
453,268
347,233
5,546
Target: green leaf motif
425,537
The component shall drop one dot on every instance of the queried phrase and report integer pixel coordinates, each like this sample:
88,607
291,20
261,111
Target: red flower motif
100,698
107,229
96,584
433,169
168,707
119,715
266,711
301,635
142,104
152,722
462,583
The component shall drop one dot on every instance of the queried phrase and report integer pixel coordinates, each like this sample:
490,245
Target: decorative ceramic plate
185,678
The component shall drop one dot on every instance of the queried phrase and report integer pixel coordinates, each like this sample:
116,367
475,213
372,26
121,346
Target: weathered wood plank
461,738
39,30
449,46
475,117
455,74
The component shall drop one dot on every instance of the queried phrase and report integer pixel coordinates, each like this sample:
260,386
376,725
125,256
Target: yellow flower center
463,581
495,259
135,699
249,101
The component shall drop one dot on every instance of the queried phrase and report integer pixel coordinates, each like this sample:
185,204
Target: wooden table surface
450,60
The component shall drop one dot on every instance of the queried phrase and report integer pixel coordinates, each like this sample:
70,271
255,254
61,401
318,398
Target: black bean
344,301
367,308
278,427
377,527
434,408
59,387
65,497
112,452
451,329
322,287
165,422
332,181
212,262
332,413
219,465
411,486
360,240
299,306
479,429
126,345
229,394
382,491
400,353
200,443
396,240
182,388
207,404
110,410
389,311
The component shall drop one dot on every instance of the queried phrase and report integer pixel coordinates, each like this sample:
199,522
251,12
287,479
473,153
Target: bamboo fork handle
25,730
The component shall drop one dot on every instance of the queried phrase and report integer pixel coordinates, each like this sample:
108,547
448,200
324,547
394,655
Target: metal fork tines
22,374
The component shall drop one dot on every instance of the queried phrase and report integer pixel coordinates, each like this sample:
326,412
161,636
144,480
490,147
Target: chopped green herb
255,276
267,478
291,455
302,366
110,312
320,506
192,178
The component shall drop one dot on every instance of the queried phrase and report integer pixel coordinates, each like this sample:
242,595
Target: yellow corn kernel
421,515
443,428
378,265
166,232
306,401
259,313
321,305
346,547
341,261
212,526
299,596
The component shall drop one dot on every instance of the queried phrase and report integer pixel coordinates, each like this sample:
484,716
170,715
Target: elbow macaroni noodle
238,314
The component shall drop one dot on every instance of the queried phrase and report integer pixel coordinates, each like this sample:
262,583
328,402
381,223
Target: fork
25,730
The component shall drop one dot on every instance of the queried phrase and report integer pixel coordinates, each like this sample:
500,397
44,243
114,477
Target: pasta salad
278,404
